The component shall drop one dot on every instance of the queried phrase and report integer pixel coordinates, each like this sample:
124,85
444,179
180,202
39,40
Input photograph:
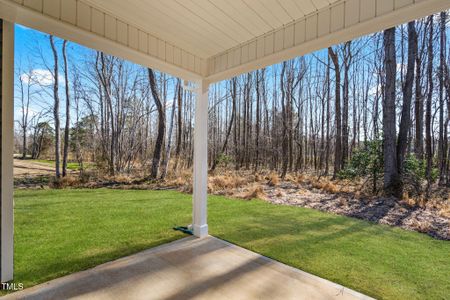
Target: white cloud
39,76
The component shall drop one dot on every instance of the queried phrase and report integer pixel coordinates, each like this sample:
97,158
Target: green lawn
70,165
62,231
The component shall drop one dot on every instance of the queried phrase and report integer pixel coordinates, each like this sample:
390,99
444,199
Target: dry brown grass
421,201
180,181
279,193
301,179
342,202
188,188
302,191
228,181
224,184
123,178
416,201
441,206
408,200
290,178
445,210
325,185
254,192
317,184
258,178
422,226
64,182
330,187
273,179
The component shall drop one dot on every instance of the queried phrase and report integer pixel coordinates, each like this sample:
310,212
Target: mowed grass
74,166
58,232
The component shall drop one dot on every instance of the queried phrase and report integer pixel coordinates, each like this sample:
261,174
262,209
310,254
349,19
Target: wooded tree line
312,113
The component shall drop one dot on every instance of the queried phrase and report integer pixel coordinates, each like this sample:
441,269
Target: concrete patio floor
190,268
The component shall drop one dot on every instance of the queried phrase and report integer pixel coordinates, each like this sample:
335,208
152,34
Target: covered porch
201,42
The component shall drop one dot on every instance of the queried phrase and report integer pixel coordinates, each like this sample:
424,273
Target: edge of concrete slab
272,263
80,274
282,267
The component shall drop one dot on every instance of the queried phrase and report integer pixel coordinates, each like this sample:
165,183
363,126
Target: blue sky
32,48
26,41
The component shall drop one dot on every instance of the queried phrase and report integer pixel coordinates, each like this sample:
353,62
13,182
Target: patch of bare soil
30,174
24,168
381,210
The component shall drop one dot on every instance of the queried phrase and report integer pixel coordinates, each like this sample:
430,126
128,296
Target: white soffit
213,39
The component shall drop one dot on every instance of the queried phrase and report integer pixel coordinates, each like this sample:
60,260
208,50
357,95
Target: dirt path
24,168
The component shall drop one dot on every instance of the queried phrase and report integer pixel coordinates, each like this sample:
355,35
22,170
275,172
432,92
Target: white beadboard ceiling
213,40
208,27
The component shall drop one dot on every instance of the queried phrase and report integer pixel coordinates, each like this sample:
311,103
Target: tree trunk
179,127
161,125
169,139
405,121
338,148
24,142
345,98
442,144
428,137
418,109
67,128
230,125
327,150
391,179
284,144
56,108
259,81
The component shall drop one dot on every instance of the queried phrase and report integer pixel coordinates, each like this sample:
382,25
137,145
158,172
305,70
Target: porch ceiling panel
335,23
213,39
80,22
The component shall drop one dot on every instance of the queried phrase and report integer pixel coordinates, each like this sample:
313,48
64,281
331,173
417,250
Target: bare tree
26,93
179,127
391,179
418,105
347,57
67,127
169,139
230,124
161,124
56,107
428,137
337,94
405,121
442,143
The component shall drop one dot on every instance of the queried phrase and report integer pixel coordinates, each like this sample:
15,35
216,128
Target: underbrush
245,184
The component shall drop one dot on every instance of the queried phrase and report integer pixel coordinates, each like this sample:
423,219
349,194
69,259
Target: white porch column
200,182
6,149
